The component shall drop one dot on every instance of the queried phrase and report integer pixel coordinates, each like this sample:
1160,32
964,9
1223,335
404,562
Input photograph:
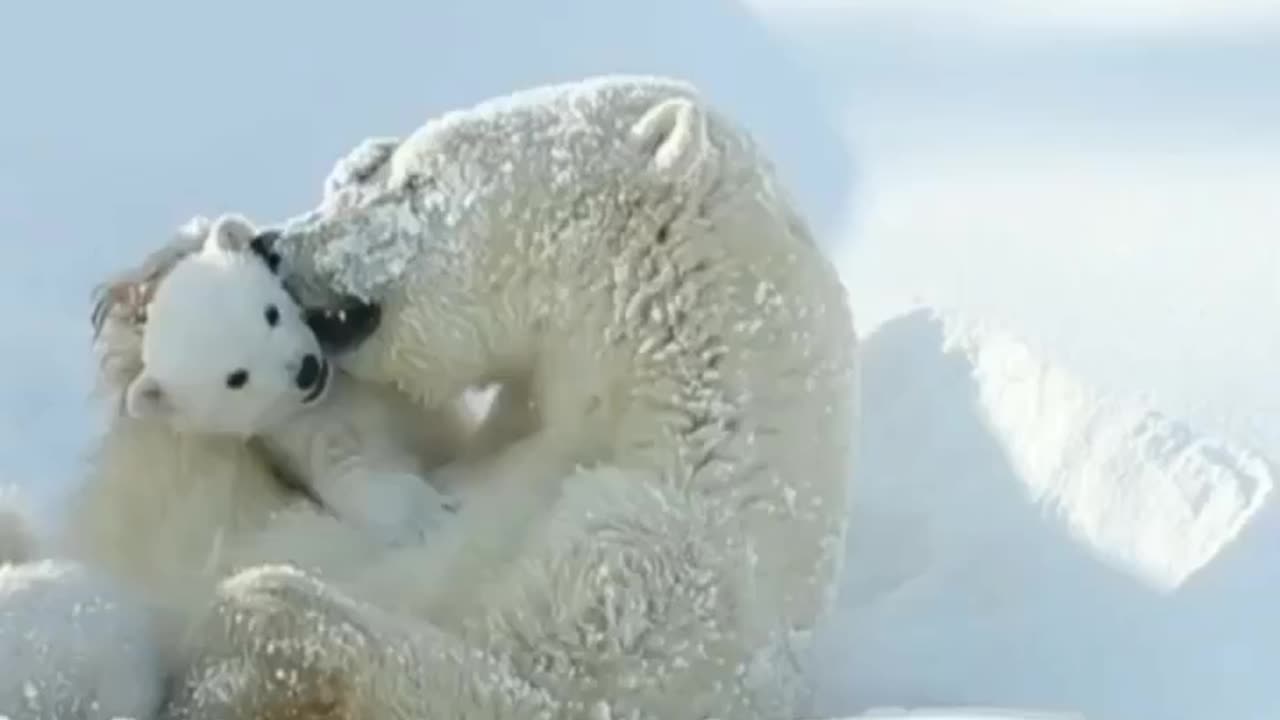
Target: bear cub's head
225,348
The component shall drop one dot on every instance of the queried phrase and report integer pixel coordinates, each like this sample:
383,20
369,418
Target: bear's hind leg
632,601
279,644
275,644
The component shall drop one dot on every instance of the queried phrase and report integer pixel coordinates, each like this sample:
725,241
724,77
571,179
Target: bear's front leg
279,644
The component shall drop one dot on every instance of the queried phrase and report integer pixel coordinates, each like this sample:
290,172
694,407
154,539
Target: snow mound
1019,538
74,644
1144,490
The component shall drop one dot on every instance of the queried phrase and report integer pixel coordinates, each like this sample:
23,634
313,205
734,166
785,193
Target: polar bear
176,495
227,351
670,529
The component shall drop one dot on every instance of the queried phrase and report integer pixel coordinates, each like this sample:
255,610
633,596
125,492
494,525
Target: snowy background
1059,222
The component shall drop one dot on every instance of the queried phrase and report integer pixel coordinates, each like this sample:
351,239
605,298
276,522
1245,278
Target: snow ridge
1145,490
1020,538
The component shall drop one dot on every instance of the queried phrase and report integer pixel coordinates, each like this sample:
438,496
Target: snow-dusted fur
676,518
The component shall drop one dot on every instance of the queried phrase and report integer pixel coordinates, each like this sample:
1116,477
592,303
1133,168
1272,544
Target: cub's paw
403,509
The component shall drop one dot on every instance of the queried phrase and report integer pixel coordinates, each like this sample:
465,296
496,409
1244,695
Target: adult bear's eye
273,315
237,379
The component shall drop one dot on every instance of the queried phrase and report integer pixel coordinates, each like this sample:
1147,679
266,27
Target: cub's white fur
167,513
225,345
227,351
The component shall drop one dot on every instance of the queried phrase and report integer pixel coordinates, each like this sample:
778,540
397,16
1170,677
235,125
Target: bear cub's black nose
309,373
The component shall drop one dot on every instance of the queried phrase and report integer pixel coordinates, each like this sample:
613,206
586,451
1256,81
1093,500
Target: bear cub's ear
145,398
263,245
230,233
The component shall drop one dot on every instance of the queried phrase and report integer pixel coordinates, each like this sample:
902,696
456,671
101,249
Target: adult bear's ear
230,233
145,399
672,137
360,164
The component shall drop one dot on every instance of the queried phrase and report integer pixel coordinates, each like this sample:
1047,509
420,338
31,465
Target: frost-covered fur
678,512
226,350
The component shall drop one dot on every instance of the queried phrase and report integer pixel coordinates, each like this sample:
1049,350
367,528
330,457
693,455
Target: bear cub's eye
273,315
237,379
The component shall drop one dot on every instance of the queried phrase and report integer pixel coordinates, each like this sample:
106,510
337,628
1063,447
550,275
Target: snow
1015,544
88,652
1066,498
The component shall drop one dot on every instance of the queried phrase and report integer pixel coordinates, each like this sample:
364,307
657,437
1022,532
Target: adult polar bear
623,251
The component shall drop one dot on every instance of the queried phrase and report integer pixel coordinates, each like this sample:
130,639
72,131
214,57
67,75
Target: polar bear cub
227,351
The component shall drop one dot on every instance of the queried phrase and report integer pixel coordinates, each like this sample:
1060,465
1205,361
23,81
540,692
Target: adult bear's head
540,169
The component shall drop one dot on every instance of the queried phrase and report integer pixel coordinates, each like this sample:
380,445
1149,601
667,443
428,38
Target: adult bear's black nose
343,328
309,373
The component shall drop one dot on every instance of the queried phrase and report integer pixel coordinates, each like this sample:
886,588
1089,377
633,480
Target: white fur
169,508
364,454
206,321
625,252
356,446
